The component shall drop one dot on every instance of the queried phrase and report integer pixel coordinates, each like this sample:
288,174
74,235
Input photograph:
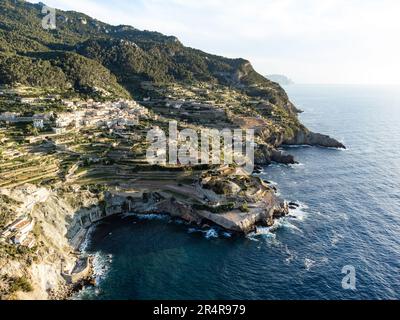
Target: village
113,115
65,118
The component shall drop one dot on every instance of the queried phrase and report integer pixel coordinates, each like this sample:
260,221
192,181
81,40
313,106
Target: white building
38,123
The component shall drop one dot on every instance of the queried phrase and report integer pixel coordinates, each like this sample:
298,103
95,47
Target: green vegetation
79,51
20,284
7,214
34,72
215,209
11,285
13,252
244,207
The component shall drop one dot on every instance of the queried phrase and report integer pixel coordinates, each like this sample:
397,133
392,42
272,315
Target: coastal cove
302,255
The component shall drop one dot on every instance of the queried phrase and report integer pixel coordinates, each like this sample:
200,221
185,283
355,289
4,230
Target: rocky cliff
306,137
59,230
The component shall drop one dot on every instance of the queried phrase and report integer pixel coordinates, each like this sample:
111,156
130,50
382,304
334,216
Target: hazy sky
311,41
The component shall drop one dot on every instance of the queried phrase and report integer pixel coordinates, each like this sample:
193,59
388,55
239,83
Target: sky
310,41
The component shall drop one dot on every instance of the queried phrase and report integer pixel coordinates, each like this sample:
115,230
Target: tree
32,131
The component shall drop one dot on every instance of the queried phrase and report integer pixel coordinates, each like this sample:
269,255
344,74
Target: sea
343,242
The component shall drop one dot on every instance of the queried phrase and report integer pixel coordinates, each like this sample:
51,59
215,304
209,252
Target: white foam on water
284,223
88,239
296,165
308,264
211,234
272,183
264,233
291,256
252,236
193,230
336,238
101,266
227,234
299,213
269,233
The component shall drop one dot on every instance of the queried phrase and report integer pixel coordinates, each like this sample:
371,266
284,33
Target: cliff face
41,265
62,218
60,225
306,137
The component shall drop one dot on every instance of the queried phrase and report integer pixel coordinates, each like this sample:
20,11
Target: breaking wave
84,247
212,233
300,213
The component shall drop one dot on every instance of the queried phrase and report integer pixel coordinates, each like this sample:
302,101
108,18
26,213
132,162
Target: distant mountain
281,79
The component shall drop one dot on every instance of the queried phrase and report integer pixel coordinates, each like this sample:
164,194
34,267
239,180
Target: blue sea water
350,215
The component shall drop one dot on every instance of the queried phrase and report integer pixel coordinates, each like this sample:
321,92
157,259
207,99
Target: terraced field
15,173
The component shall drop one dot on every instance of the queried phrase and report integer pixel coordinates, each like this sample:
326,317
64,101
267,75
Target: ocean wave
315,262
101,266
211,233
300,213
284,223
88,239
265,233
271,183
336,238
227,234
309,264
296,165
291,255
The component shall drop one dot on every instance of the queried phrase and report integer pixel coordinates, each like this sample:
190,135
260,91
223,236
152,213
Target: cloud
330,41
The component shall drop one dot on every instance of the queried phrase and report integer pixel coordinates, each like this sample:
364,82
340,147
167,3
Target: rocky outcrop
265,155
305,137
233,202
61,221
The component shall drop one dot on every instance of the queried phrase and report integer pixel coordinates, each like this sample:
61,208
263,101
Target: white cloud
329,41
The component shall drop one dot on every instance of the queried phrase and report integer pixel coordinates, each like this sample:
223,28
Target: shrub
244,207
20,284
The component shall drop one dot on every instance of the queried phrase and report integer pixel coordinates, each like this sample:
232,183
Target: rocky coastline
222,196
306,137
